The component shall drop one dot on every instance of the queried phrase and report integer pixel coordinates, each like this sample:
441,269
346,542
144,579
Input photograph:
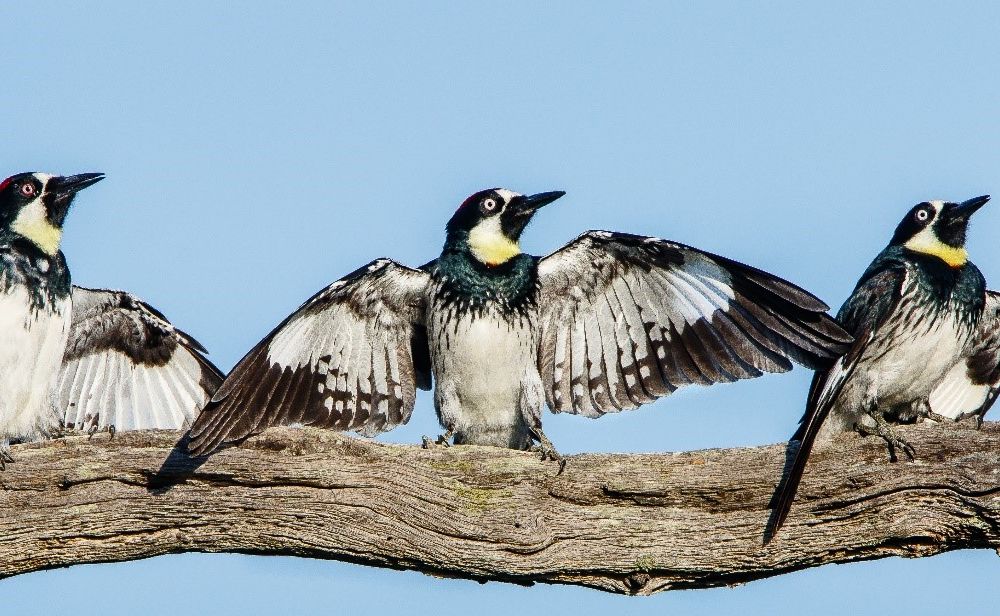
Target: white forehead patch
43,177
937,204
507,195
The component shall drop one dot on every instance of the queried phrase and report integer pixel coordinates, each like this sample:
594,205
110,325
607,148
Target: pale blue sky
255,154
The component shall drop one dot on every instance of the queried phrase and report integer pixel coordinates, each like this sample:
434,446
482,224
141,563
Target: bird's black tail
823,393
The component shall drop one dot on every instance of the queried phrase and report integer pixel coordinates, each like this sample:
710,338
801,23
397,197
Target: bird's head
491,221
34,205
937,228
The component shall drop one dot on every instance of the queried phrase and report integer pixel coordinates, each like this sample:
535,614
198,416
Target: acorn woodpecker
609,322
927,342
113,357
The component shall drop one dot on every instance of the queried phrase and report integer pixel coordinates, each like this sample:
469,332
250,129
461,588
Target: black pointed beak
69,185
968,208
530,203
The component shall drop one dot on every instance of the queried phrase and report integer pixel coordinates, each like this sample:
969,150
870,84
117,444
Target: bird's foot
441,442
60,431
937,417
548,450
976,416
92,430
884,431
5,457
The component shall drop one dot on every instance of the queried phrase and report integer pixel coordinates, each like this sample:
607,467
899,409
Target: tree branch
623,523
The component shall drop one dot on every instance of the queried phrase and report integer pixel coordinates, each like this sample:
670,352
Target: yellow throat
927,244
490,245
32,223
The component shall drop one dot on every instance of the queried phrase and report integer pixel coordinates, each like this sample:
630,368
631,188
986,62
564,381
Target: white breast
918,362
31,351
485,362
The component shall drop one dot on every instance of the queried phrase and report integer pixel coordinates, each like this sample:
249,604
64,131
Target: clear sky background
256,153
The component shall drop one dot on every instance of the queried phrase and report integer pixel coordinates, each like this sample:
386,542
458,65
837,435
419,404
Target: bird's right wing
350,358
972,386
872,302
626,319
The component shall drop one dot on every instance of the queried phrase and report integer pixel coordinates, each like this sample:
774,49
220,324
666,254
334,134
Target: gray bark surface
636,524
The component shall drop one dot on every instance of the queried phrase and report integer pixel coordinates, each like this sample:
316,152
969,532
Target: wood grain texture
633,524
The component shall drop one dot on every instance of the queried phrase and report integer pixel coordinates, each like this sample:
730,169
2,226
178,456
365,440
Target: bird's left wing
127,366
972,386
626,319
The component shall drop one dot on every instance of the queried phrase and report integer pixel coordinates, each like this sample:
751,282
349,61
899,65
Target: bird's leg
923,410
441,441
547,449
883,430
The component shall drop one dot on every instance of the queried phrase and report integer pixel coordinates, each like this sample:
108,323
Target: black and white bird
609,322
74,357
927,342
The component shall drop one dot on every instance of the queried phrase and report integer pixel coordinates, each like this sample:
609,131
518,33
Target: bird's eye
923,215
489,204
27,190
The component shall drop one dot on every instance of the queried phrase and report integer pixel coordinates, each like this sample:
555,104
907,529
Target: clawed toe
892,440
5,458
441,442
548,451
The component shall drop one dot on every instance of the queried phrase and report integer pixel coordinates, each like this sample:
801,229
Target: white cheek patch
32,222
489,244
927,242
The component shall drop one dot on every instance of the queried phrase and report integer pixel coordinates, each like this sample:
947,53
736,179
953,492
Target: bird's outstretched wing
876,297
626,319
972,386
126,366
350,358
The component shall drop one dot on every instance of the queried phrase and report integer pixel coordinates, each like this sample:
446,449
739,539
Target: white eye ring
28,190
489,204
922,215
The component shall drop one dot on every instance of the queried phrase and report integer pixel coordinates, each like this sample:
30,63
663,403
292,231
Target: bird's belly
486,375
31,350
916,364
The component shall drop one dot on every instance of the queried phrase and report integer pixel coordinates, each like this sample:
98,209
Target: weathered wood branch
623,523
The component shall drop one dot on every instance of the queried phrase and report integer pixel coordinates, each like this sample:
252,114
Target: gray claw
884,431
548,450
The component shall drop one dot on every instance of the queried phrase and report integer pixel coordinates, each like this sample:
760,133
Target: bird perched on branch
609,322
927,342
77,357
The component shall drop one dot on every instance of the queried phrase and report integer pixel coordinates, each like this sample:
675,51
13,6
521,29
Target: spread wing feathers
125,365
626,319
873,302
972,386
350,358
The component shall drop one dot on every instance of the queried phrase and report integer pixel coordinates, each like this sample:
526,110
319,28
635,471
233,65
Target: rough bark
624,523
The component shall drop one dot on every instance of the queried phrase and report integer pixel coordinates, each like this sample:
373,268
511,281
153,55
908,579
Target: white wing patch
109,388
128,367
956,395
972,385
